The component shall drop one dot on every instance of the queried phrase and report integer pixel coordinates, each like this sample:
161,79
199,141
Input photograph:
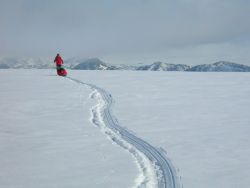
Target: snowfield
49,137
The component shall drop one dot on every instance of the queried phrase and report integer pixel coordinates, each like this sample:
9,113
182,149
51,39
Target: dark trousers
58,67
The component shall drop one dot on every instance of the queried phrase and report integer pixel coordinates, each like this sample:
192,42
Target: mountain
36,63
221,66
25,63
72,62
123,67
97,64
4,66
92,64
159,66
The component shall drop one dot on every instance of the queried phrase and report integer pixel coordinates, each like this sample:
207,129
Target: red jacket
58,60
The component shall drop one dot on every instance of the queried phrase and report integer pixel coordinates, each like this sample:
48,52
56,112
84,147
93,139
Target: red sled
62,72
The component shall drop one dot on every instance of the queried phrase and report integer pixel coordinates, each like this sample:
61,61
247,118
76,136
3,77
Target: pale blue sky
127,31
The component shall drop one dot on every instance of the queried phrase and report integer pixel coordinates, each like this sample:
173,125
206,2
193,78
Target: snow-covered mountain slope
221,66
160,66
72,62
97,64
36,63
26,63
91,64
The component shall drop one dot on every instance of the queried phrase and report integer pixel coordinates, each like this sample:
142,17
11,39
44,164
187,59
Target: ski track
155,168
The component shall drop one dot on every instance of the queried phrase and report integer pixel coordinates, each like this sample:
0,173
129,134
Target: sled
62,72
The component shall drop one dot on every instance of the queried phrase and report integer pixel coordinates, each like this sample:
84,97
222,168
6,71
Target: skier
59,63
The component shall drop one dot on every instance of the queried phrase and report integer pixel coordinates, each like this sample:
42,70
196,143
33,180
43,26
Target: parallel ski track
168,177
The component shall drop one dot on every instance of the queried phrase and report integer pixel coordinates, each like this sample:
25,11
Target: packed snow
156,169
47,138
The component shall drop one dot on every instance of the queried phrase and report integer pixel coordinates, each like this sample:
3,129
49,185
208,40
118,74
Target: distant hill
72,62
159,66
221,66
97,64
36,63
25,63
92,64
4,66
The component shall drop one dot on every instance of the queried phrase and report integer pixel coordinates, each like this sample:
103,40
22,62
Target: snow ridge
155,168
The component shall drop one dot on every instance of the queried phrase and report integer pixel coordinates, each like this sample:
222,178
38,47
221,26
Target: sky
127,31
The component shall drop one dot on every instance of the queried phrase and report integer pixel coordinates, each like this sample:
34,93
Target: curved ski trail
155,168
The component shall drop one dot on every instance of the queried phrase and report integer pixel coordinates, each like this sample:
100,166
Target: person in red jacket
59,61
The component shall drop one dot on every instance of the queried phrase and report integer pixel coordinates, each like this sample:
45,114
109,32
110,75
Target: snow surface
47,139
201,119
156,170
